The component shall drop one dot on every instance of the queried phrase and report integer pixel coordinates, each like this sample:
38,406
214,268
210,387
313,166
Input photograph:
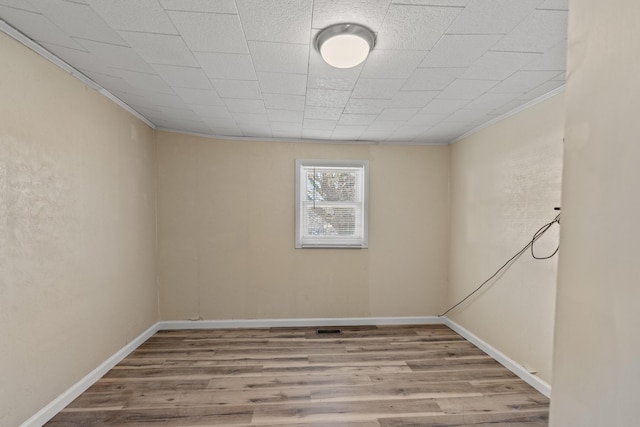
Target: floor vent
329,331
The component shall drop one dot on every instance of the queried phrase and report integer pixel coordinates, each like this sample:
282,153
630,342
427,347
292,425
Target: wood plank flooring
363,377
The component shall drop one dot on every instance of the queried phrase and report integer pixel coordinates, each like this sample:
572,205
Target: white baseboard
292,323
59,403
68,396
501,358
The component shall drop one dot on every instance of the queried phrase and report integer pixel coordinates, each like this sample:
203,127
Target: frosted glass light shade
345,45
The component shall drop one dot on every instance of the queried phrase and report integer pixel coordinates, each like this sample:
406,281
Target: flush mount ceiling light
345,45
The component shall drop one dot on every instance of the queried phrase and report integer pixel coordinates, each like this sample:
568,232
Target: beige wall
226,233
77,231
597,343
505,182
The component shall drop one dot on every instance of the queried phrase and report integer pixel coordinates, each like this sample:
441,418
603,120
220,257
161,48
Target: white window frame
305,241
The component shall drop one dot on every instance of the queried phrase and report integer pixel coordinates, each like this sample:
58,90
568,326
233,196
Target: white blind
332,208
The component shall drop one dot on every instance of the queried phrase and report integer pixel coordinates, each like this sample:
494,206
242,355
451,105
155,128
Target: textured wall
597,343
77,231
226,233
505,182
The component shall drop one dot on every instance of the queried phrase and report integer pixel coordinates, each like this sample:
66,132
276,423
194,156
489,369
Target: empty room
319,213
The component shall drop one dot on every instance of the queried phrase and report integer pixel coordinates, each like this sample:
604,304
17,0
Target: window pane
332,185
331,221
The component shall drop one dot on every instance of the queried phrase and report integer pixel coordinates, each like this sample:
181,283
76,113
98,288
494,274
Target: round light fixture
345,45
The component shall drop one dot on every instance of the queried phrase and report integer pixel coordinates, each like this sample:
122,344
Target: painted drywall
77,230
505,183
226,233
597,343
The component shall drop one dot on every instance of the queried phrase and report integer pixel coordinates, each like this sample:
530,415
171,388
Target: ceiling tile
285,116
348,132
278,101
392,64
120,57
199,96
541,90
491,100
375,135
253,106
290,84
459,50
317,134
466,89
506,108
160,48
386,125
428,79
183,76
555,5
460,3
475,116
369,13
377,88
237,89
443,106
280,57
226,65
217,6
327,98
40,28
81,59
78,20
110,82
147,112
398,113
492,16
179,113
498,65
19,4
414,99
159,99
523,81
322,113
202,32
412,27
288,129
192,126
319,124
285,21
228,127
245,120
367,106
357,119
445,132
553,59
550,27
425,121
402,135
144,81
212,114
139,15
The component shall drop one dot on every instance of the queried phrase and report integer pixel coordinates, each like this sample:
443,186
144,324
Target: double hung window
331,203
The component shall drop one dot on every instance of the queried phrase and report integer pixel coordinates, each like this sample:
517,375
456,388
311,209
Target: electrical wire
538,234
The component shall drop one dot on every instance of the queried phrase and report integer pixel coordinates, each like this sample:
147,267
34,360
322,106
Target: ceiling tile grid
249,68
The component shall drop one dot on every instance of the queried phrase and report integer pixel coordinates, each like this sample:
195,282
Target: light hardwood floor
363,377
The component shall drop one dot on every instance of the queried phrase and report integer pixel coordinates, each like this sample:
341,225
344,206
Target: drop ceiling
248,69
